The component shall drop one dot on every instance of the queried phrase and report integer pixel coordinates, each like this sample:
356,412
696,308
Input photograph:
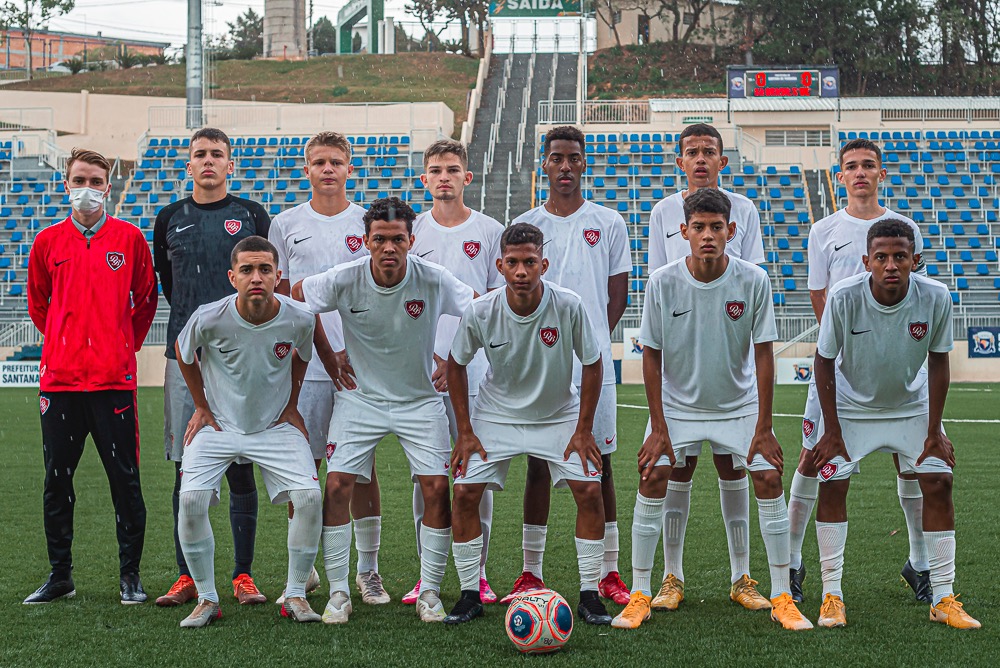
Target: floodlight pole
194,66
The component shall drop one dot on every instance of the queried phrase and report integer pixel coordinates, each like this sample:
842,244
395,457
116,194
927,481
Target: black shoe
796,577
131,588
918,581
469,607
591,610
52,590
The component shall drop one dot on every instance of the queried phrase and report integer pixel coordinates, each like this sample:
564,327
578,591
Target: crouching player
877,330
528,405
700,318
254,349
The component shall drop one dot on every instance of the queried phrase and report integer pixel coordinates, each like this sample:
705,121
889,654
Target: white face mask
86,200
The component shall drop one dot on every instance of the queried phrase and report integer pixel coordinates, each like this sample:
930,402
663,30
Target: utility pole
195,67
312,29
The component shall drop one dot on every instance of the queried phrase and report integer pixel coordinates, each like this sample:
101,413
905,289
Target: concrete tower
285,29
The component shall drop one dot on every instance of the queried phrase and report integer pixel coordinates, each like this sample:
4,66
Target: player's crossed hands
466,445
202,418
766,445
830,446
656,445
583,444
938,445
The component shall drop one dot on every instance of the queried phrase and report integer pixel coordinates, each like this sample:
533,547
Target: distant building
632,25
49,47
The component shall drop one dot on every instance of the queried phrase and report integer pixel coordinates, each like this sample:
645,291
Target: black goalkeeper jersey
191,247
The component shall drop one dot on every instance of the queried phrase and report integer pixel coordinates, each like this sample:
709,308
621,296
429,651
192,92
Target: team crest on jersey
233,226
549,335
803,372
472,248
115,260
414,308
282,348
592,237
330,449
354,242
918,330
808,427
828,471
43,404
735,310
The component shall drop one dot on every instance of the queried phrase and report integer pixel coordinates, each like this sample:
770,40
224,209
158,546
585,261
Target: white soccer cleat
203,614
370,585
429,607
338,608
312,584
298,610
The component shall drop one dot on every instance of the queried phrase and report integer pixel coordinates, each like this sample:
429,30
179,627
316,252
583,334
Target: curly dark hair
389,209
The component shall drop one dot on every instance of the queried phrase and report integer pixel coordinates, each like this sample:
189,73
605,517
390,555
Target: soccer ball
539,621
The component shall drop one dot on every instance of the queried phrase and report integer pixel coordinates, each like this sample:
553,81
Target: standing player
587,249
253,348
836,251
701,159
311,238
192,241
532,332
878,330
466,243
92,295
389,305
701,317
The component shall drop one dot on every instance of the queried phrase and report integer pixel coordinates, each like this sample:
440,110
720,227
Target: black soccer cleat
469,607
918,581
592,610
131,589
52,590
796,576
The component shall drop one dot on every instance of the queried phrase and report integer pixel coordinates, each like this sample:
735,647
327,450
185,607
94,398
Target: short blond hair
331,140
444,147
89,157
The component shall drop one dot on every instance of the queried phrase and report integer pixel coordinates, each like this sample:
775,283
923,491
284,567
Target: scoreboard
807,81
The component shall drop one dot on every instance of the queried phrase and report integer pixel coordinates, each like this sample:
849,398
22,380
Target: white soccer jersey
389,332
666,243
309,243
705,331
880,350
247,369
584,249
470,251
837,243
531,358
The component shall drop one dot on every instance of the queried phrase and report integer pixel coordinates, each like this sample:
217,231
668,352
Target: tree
608,12
246,35
324,36
28,15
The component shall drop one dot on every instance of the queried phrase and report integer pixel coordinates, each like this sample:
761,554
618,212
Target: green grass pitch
886,627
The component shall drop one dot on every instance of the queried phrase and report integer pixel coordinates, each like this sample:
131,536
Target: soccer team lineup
296,344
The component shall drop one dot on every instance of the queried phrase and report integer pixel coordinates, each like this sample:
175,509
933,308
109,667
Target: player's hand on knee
766,445
467,445
938,445
656,445
830,445
440,374
292,416
584,445
202,418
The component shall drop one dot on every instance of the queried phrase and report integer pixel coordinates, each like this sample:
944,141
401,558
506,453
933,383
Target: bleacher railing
27,118
593,111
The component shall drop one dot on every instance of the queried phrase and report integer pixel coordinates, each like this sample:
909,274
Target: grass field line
794,415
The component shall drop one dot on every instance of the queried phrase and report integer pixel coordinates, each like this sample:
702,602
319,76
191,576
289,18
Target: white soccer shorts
178,407
606,419
812,419
902,436
316,408
281,452
731,436
357,425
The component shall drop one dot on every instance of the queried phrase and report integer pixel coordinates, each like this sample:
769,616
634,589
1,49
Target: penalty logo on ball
539,621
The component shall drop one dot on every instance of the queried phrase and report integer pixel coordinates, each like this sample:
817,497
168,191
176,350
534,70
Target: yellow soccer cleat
670,595
832,613
949,611
785,612
635,613
744,591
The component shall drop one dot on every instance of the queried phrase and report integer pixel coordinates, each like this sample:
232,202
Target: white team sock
832,538
734,497
533,544
773,516
610,561
467,563
941,550
911,500
646,522
486,522
434,544
418,513
337,557
367,538
194,532
801,501
303,539
676,506
588,558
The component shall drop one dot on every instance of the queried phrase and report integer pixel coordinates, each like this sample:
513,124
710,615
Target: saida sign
534,8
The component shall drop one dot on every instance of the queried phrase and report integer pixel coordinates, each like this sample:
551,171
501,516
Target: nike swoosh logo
119,411
677,315
499,345
181,229
837,248
226,352
674,234
425,254
298,241
863,331
609,441
63,261
360,310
